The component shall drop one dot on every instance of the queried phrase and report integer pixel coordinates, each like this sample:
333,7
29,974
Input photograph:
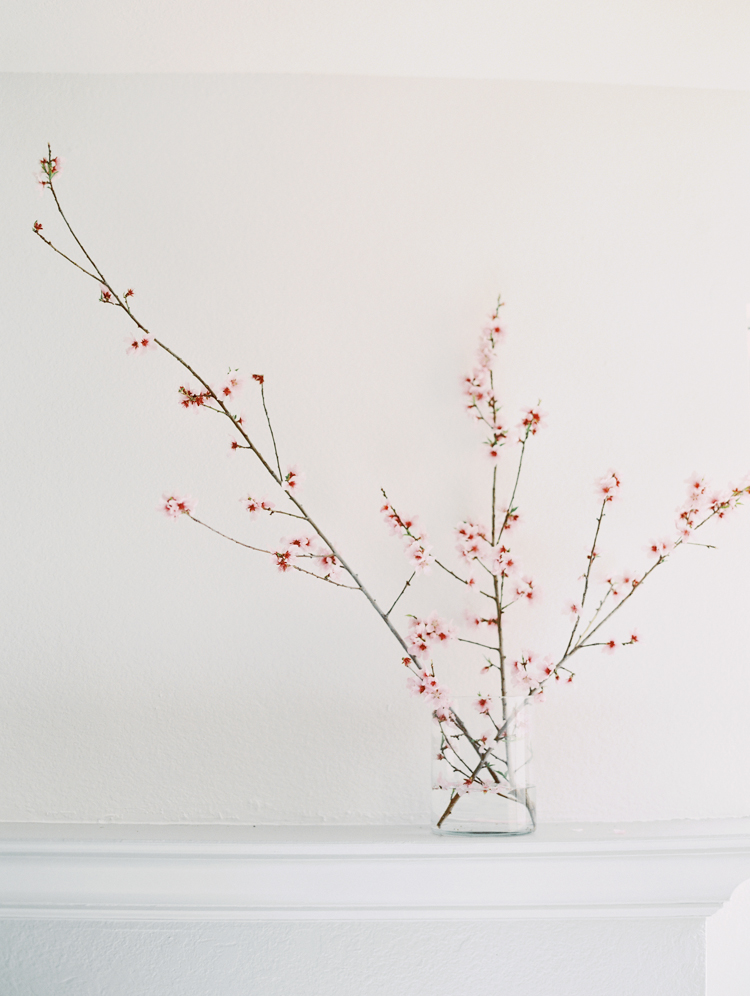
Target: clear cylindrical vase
482,780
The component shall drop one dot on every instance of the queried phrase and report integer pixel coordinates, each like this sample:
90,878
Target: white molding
670,869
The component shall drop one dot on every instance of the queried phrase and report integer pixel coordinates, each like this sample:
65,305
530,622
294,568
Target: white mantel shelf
685,868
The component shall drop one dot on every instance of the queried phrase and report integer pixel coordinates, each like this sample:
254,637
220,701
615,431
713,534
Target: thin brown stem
482,761
270,428
59,253
401,593
592,555
462,580
271,553
486,646
276,475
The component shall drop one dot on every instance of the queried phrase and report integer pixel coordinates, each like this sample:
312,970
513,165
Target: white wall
584,958
651,42
346,237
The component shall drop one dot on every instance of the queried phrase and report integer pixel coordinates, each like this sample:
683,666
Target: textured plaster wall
346,237
533,958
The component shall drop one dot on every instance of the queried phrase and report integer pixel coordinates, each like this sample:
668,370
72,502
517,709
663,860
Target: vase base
473,831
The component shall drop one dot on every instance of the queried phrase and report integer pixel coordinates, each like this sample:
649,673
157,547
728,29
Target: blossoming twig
483,551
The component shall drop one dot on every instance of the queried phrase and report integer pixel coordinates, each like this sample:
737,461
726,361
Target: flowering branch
49,167
484,552
272,553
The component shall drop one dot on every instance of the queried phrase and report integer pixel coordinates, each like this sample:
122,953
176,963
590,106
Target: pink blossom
511,518
476,385
426,633
696,485
482,704
471,541
573,610
173,506
623,585
256,505
660,548
300,545
292,480
442,782
420,557
230,386
532,421
328,566
318,559
443,714
418,550
190,398
140,345
531,670
427,686
496,439
609,647
478,621
525,589
493,330
474,548
282,560
486,740
50,167
608,486
105,294
722,502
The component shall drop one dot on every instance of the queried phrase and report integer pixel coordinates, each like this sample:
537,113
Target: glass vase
481,769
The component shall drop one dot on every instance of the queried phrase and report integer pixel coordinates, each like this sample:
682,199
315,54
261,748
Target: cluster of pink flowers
660,548
426,685
464,786
699,504
525,589
482,402
140,345
49,167
533,420
229,386
308,553
255,505
292,480
190,398
531,671
476,551
418,550
622,584
478,621
482,704
608,487
173,506
427,633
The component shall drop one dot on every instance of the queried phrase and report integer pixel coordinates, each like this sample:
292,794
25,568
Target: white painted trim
685,869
